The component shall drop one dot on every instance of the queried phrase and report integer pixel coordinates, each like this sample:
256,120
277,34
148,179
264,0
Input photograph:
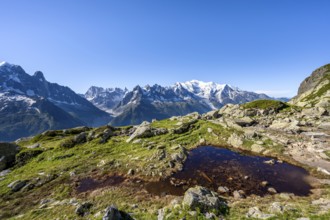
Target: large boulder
203,199
145,130
8,153
185,127
112,213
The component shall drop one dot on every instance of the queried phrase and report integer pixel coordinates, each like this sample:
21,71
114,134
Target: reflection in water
213,167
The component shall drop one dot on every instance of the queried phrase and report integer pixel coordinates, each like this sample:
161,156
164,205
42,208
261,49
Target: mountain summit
158,102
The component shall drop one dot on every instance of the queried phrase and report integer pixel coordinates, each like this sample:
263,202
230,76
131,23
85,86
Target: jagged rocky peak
40,76
10,68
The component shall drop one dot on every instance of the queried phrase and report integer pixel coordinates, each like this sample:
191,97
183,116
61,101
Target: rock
4,172
145,130
107,133
161,214
249,134
276,207
286,196
210,130
137,141
245,121
223,189
255,212
130,172
324,126
83,209
185,127
112,213
24,156
303,218
17,185
322,170
160,154
323,204
251,112
211,115
8,153
204,199
239,194
235,140
80,138
264,183
34,146
257,148
272,190
270,162
210,215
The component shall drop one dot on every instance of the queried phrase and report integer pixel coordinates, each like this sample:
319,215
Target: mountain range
30,104
158,102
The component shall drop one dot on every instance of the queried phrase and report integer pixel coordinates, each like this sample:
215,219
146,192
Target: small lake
213,167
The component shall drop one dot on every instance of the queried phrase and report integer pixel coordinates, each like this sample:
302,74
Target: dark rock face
8,153
311,81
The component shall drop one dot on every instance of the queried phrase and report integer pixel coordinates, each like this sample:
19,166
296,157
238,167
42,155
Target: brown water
89,184
213,167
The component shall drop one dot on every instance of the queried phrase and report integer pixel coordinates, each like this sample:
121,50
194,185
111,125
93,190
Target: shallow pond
213,167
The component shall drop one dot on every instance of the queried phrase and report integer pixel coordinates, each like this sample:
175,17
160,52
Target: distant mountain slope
158,102
31,104
105,99
314,91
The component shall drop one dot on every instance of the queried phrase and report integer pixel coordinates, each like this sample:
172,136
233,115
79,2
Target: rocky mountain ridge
31,104
158,102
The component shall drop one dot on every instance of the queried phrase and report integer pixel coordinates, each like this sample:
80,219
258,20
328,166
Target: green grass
116,156
266,104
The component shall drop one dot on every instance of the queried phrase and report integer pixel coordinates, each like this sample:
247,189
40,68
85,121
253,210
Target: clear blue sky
256,45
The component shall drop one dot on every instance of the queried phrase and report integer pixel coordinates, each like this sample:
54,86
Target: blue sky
256,45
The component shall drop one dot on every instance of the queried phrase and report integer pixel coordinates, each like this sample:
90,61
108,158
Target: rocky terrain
103,173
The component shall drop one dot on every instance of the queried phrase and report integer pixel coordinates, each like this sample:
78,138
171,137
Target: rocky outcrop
314,91
145,130
311,81
203,199
8,153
